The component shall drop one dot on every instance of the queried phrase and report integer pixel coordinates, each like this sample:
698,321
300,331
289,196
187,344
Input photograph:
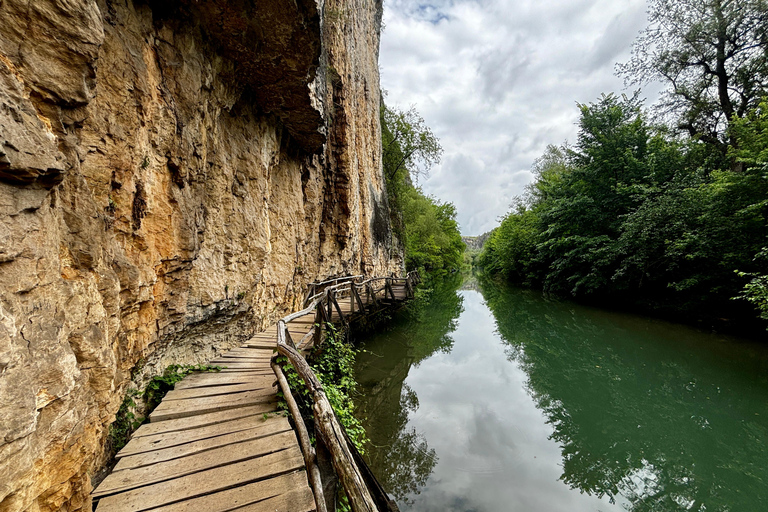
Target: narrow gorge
172,175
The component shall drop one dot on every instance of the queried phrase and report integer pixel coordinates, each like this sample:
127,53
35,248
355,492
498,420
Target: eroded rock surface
170,178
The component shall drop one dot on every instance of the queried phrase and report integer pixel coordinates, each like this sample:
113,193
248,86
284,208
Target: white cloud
497,81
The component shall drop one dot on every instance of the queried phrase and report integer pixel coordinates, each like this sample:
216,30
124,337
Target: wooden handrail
310,456
332,435
313,287
326,424
335,279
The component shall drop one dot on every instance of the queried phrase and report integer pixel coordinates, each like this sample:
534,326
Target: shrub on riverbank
632,214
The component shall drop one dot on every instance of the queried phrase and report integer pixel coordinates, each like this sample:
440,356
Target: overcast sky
497,81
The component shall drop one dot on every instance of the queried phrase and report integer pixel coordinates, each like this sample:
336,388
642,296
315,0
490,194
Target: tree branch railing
364,494
316,288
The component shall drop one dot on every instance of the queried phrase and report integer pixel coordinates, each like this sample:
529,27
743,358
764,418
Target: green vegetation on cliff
426,226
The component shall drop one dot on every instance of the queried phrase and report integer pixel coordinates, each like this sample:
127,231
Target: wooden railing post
318,325
388,286
358,299
338,310
310,456
373,295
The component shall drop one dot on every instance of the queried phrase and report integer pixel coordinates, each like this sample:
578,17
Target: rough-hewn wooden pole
310,458
373,295
338,310
358,299
332,434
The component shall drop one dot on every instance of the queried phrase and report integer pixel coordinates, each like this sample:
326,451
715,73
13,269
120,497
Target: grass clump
137,405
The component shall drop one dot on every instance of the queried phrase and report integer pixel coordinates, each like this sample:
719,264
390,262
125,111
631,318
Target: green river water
496,399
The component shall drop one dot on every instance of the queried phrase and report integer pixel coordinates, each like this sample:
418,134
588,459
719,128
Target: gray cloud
497,81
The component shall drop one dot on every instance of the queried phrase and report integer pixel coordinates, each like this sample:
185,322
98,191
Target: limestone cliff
171,175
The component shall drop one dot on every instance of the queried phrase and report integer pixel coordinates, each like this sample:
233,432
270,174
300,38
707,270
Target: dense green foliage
426,226
125,422
634,213
672,216
712,56
333,363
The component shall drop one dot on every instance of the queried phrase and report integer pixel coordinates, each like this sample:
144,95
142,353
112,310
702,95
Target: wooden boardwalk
217,442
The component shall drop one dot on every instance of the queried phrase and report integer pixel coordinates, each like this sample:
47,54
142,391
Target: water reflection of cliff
655,416
398,454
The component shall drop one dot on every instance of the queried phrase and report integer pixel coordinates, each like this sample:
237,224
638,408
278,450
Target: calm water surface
498,400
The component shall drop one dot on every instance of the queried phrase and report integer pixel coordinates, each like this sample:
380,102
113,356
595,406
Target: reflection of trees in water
657,424
399,455
406,462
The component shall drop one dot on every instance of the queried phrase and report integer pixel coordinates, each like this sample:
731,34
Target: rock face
170,179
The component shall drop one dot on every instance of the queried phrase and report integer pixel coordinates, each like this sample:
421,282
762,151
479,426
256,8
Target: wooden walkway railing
217,443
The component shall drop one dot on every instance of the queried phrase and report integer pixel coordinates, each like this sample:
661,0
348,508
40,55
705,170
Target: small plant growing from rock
162,384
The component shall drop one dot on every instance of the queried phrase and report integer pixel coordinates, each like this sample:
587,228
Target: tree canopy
712,54
634,215
408,144
426,226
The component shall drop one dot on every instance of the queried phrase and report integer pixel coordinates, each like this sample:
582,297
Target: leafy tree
632,214
432,239
426,226
511,248
756,291
712,54
408,144
583,208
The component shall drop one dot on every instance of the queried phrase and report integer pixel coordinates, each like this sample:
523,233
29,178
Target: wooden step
203,420
186,450
274,423
181,394
172,409
127,479
284,493
198,380
203,483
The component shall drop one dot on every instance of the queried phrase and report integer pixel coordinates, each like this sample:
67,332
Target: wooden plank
127,479
203,420
256,365
226,361
185,450
271,493
164,440
254,370
255,344
248,352
219,379
181,394
173,409
244,355
264,351
204,482
266,335
299,500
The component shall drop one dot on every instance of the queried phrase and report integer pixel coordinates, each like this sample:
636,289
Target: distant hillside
475,243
